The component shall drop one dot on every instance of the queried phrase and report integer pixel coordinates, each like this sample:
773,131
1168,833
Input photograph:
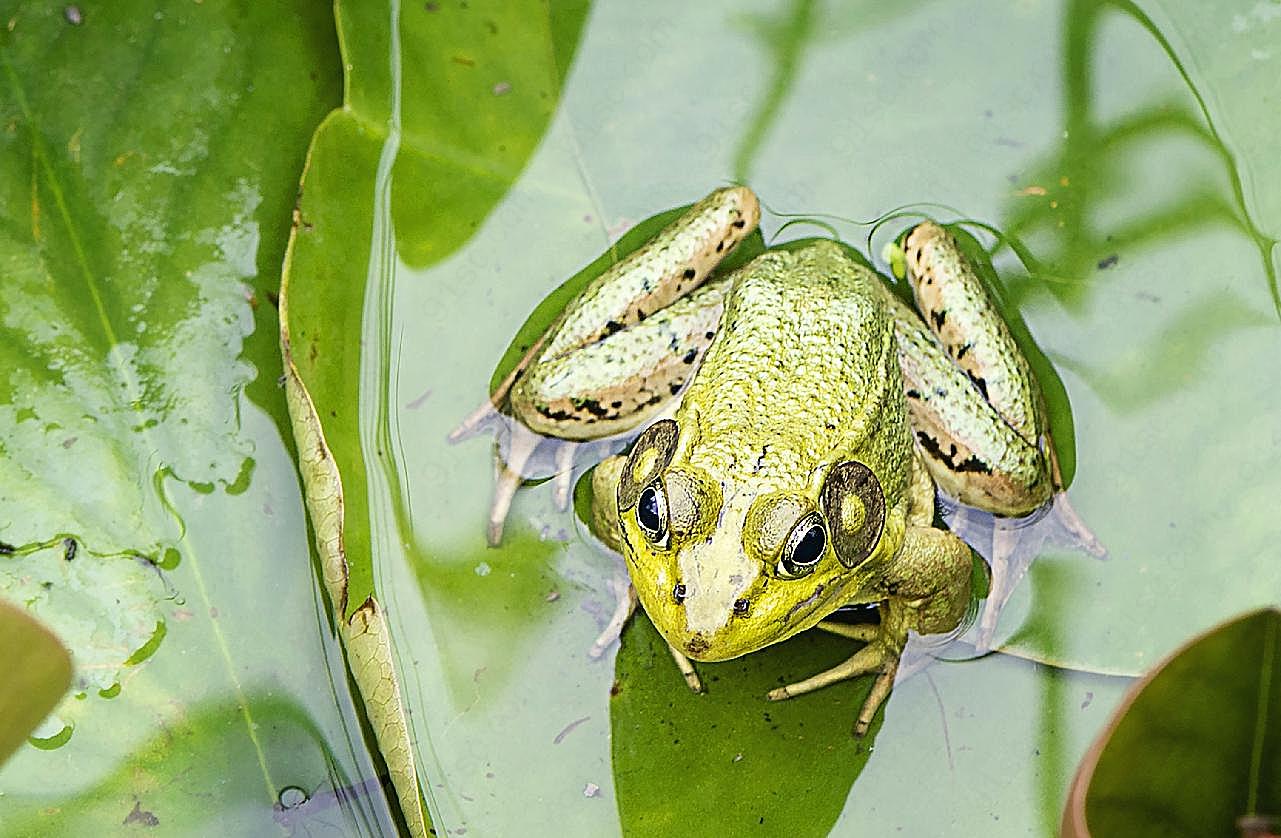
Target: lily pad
1205,719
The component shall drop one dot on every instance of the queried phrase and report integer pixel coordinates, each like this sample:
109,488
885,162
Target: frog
797,418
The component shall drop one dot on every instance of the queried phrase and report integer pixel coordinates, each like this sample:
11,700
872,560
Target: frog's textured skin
755,430
815,413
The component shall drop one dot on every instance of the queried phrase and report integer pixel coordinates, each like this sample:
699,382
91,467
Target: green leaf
149,509
797,756
38,673
1205,720
443,107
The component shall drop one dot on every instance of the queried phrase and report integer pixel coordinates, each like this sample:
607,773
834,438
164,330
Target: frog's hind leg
978,414
595,372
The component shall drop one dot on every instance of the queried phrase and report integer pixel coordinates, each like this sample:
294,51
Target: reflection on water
1065,221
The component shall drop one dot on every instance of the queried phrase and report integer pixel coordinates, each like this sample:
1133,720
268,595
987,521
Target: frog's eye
651,512
806,544
855,507
650,455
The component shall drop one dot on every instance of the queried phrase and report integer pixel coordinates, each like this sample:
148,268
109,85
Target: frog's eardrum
855,507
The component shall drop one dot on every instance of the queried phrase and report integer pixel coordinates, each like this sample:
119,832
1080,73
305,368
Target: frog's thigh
956,305
620,381
972,453
929,584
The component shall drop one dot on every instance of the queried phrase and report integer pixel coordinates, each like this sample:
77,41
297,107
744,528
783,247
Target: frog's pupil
647,512
810,548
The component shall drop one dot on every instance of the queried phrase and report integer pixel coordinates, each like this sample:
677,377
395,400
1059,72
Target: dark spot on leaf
69,548
6,549
141,816
1108,261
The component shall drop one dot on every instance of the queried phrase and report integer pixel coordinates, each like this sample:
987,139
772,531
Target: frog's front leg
928,587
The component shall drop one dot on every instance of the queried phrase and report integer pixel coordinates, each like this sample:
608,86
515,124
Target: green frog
797,417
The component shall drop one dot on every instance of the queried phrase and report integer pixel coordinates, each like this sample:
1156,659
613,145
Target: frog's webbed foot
877,656
517,450
1016,542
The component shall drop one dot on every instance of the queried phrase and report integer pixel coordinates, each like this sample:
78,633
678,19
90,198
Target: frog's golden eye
650,455
651,512
855,506
806,544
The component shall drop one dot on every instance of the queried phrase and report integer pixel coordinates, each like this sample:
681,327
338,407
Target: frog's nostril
678,593
742,606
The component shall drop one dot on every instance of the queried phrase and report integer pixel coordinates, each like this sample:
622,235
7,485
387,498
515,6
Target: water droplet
291,797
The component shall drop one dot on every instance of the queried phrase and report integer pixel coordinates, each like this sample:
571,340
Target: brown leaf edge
365,635
1074,823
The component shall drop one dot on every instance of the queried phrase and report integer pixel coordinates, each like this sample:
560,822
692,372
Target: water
1097,137
1121,152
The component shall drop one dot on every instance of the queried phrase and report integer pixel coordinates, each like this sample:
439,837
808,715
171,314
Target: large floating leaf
1195,748
149,511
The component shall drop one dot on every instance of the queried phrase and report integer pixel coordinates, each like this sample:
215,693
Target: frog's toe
475,423
623,610
880,692
563,482
1076,533
686,666
508,476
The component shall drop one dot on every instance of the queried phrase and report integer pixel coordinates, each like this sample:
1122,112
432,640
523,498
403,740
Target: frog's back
802,369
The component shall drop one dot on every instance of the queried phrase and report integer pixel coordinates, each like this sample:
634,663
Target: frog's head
727,567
